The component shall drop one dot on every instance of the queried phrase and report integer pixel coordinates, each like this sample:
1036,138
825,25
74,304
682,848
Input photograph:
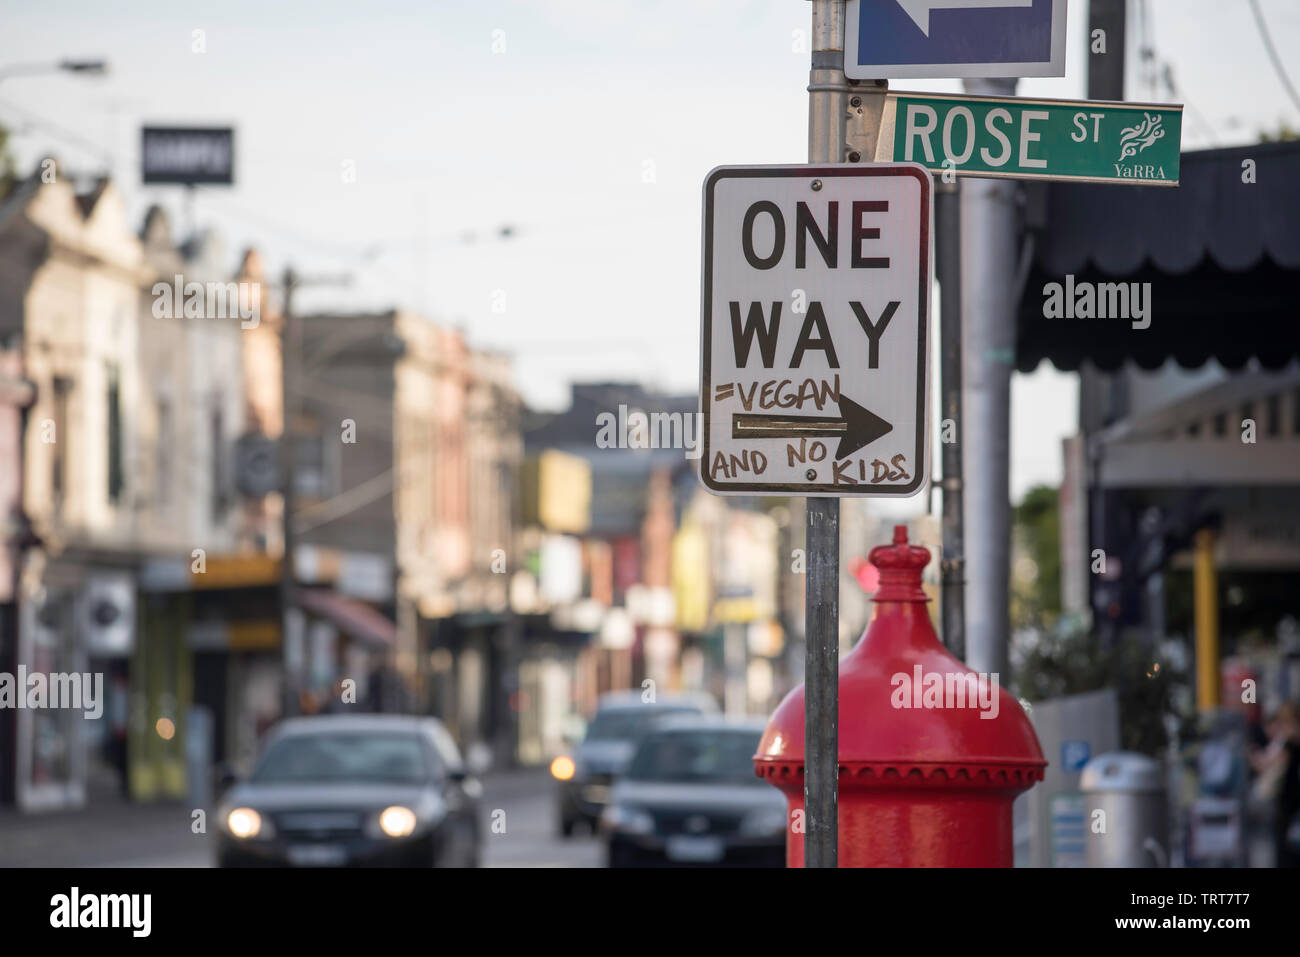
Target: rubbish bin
1133,830
198,756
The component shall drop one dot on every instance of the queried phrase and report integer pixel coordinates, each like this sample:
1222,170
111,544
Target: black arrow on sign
855,427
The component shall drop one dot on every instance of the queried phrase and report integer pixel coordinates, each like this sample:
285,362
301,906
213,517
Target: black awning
1222,256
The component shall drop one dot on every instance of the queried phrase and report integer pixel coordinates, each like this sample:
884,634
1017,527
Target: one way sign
816,292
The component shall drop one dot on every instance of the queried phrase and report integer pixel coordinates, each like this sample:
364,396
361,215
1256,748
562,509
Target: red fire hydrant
931,755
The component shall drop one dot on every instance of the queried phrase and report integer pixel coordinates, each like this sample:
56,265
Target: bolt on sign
1081,140
815,317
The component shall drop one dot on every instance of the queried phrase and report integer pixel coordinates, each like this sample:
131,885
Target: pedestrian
1278,765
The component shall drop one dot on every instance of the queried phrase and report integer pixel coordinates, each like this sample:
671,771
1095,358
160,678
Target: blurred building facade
454,553
142,537
127,434
632,576
1185,468
406,504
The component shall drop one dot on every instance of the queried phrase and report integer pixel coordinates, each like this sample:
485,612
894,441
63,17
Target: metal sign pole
821,684
290,356
948,263
828,93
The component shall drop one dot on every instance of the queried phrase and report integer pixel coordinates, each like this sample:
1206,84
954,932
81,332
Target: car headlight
397,821
627,820
563,768
766,822
245,823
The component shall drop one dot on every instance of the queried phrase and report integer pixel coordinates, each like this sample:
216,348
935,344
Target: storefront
76,633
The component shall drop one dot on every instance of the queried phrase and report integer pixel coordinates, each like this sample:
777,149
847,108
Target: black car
621,718
690,797
371,790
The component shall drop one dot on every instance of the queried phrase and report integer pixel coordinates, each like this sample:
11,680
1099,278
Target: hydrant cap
900,567
907,708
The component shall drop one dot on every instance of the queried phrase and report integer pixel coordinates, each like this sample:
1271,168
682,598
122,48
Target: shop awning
1222,256
355,619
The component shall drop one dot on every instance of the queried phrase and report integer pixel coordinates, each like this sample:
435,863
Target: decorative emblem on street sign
1135,139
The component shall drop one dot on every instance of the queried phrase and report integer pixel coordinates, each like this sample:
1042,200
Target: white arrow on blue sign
947,39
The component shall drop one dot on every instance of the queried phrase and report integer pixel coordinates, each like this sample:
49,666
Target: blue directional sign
1075,754
942,39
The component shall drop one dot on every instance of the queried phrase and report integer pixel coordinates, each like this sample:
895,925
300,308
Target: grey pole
291,372
828,92
290,346
735,698
1105,82
988,269
828,89
948,266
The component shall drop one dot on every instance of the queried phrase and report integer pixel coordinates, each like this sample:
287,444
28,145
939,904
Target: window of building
220,497
116,475
163,452
62,392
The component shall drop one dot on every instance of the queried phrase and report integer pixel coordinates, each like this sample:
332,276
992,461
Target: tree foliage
1073,662
1036,587
1052,657
8,168
1284,134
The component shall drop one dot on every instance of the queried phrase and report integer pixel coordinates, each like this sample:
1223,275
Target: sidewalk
110,833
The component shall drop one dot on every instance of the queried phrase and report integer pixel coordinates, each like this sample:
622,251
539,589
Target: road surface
519,831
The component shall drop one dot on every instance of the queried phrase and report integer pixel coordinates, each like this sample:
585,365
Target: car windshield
724,757
625,724
352,757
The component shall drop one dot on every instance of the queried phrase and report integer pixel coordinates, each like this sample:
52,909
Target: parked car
690,797
367,790
611,737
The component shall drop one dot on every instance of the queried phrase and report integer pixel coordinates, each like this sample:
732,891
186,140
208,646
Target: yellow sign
556,492
253,635
729,610
236,571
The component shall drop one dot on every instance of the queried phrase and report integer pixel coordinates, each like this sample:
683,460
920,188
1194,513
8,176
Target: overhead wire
1267,37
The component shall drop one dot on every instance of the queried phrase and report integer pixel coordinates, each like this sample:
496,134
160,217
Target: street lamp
93,67
86,67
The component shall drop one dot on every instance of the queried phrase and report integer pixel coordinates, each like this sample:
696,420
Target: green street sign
1135,144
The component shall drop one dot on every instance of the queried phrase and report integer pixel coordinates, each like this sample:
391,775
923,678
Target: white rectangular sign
815,317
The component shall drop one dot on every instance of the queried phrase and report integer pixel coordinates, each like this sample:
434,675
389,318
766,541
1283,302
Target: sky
587,126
